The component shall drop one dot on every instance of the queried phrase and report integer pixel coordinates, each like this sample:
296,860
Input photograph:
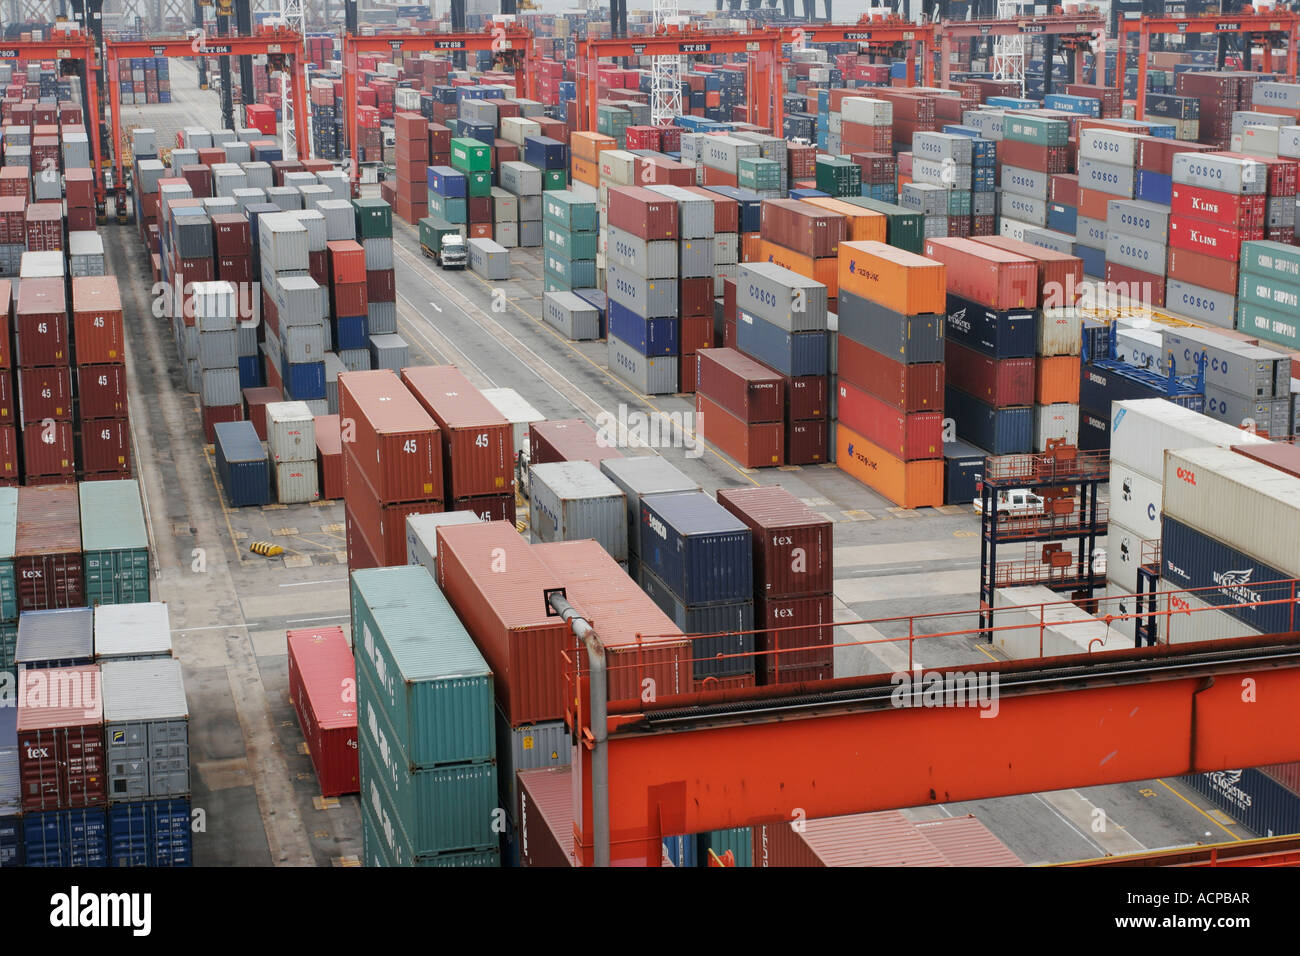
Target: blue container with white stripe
650,337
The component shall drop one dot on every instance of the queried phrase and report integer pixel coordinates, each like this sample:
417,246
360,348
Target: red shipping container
380,286
696,334
1001,280
235,268
1225,209
1203,270
1150,288
383,523
41,323
806,229
1043,159
329,457
101,391
360,554
545,814
695,297
800,636
390,437
320,667
1060,276
1156,154
79,186
105,447
495,583
913,436
569,439
44,394
807,442
348,298
477,442
255,402
748,390
44,226
231,231
97,321
1222,242
1094,204
910,388
996,382
8,412
61,738
487,507
347,262
213,415
760,445
645,214
1065,189
47,549
793,544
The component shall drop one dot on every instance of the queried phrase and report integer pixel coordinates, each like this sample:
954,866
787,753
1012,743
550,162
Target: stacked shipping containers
645,285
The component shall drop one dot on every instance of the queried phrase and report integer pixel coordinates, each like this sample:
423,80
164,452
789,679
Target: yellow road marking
1199,810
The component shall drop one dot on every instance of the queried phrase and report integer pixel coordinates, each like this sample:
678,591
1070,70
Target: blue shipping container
1062,218
545,153
303,380
1190,559
1253,795
963,464
66,838
1099,385
1154,187
1094,430
1003,431
681,851
726,621
155,833
352,332
750,202
790,353
650,337
696,547
242,464
1012,334
1094,260
250,371
447,182
11,841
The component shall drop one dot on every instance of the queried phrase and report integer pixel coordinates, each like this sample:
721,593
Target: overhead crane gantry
763,67
70,46
275,43
1267,24
696,762
1076,29
884,34
512,42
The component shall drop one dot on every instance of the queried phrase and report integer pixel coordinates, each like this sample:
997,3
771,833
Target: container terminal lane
230,608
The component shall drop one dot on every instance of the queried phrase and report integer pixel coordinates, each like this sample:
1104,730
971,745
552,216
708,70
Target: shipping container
908,339
790,353
242,464
1144,429
59,638
725,648
986,275
48,567
898,280
572,501
784,298
806,229
544,815
570,440
907,436
61,738
639,476
998,382
1033,622
74,837
643,213
1003,431
697,548
753,445
129,632
963,469
146,730
867,839
392,442
743,387
115,542
1000,334
478,443
321,667
793,545
913,484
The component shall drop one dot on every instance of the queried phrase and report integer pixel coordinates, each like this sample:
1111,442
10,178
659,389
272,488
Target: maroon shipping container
348,298
318,267
235,268
9,470
360,554
1208,84
1042,159
1285,458
382,523
380,285
390,437
794,546
545,815
801,634
48,450
213,415
695,335
748,390
199,177
6,313
996,382
910,388
1065,189
255,402
695,297
488,507
570,439
645,214
804,228
806,442
232,234
1207,271
61,738
44,394
1156,154
759,445
495,583
478,448
1060,276
320,666
44,226
1001,280
726,211
98,333
47,552
1150,288
104,447
41,323
806,398
911,436
329,457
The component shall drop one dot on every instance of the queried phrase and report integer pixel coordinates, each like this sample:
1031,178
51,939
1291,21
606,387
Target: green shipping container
452,210
554,179
387,846
432,684
904,228
479,184
565,209
433,228
1268,292
115,542
959,202
753,173
570,245
613,121
447,808
471,155
1271,260
838,177
739,840
8,540
8,646
570,273
1036,129
1276,326
374,219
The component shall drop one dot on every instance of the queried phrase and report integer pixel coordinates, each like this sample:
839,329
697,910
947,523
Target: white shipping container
618,167
132,631
1040,625
1013,228
515,410
1193,619
291,431
296,482
1060,332
1142,429
866,111
1052,422
1120,601
1245,504
1109,146
1288,142
1261,141
1134,500
1224,173
1123,554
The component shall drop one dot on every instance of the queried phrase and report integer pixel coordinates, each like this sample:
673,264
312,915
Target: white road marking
300,584
214,627
309,620
436,306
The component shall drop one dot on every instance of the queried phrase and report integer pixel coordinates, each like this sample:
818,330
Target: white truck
1014,501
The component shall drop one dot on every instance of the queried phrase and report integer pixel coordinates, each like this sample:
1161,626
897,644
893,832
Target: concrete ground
230,608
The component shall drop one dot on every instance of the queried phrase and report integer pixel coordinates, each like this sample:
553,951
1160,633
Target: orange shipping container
750,246
1057,380
895,278
861,225
588,146
825,271
1092,204
586,171
910,484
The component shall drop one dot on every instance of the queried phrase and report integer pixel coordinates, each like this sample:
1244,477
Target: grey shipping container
653,376
1208,305
650,260
146,730
1111,178
1026,182
530,747
389,351
1136,217
219,349
648,298
132,631
695,215
1224,173
784,298
304,343
573,501
422,536
488,259
1023,208
640,476
58,638
1144,254
573,316
1230,365
910,339
696,258
219,386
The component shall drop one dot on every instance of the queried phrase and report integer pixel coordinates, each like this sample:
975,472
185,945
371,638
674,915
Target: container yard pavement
230,609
